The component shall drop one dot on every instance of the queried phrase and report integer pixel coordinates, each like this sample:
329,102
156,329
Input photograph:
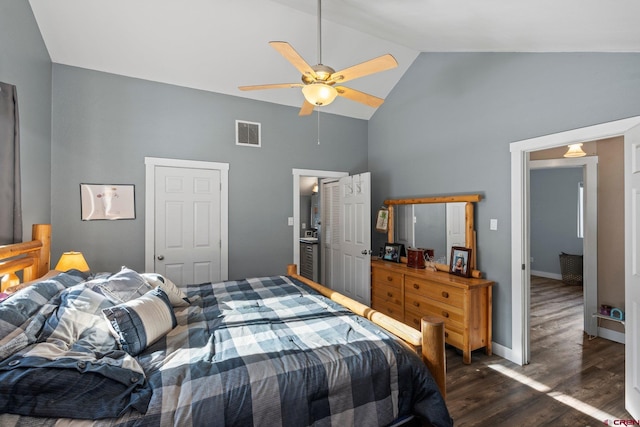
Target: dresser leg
466,357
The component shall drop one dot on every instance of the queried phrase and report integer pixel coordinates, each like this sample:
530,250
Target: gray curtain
10,200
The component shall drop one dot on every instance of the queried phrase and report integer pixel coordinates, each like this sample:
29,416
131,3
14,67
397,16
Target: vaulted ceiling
218,45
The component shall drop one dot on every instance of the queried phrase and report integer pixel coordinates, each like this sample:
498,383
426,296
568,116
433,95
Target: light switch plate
290,220
493,224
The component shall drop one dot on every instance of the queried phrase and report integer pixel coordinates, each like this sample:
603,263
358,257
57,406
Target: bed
133,349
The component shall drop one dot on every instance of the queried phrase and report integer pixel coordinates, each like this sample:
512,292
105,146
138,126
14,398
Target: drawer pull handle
389,278
445,294
416,321
416,286
445,314
389,294
446,334
416,303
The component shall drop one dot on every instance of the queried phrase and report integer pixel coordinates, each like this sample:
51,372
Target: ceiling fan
319,81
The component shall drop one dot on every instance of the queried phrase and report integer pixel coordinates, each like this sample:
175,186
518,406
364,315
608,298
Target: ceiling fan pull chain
318,127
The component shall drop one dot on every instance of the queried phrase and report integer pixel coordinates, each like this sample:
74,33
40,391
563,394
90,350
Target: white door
355,238
632,273
455,226
330,231
188,224
404,227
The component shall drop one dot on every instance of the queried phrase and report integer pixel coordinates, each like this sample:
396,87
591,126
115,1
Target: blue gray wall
104,126
554,219
447,125
25,63
445,128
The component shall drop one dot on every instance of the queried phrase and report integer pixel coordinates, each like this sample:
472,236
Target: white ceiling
217,45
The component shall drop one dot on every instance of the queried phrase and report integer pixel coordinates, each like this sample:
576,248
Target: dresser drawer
389,278
452,334
387,307
422,306
434,290
386,292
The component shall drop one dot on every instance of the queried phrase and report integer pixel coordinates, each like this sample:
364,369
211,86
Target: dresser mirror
436,223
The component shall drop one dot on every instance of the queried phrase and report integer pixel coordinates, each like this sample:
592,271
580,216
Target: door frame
520,265
149,207
297,174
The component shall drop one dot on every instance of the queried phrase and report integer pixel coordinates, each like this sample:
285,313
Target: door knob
366,252
160,257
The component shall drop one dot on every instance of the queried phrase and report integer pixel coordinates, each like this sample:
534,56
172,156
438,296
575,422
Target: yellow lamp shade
71,261
575,150
319,93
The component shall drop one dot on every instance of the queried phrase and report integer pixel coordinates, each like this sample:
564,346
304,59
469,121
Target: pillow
123,286
138,323
176,296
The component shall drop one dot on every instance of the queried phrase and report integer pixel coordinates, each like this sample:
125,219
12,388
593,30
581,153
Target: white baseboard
555,276
504,352
611,335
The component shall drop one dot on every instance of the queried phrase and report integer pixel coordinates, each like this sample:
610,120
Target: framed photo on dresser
392,251
459,261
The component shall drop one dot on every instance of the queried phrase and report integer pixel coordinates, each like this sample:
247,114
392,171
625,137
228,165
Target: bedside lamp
72,260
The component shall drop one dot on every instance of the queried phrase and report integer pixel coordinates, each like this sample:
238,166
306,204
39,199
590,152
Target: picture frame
382,221
392,251
459,261
107,202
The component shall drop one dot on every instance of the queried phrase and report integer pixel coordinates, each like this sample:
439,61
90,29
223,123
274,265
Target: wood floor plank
572,380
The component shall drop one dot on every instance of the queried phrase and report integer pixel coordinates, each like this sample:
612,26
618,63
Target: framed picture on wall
459,262
107,201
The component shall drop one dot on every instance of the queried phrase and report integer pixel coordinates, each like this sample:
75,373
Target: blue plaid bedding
267,352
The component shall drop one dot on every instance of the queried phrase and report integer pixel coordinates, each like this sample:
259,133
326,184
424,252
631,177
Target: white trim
519,244
149,227
611,335
547,275
297,173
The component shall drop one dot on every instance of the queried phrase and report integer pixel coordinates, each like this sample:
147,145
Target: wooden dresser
408,294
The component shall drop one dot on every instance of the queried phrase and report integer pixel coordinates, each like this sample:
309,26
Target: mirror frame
470,232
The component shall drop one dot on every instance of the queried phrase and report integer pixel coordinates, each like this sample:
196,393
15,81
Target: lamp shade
575,150
71,261
319,93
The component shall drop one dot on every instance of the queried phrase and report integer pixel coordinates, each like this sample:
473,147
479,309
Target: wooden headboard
32,258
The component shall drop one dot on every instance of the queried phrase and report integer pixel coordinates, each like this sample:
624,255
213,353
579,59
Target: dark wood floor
571,381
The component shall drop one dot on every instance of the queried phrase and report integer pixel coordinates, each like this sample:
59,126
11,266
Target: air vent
248,134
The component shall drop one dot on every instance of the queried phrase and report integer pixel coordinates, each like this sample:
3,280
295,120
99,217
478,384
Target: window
580,210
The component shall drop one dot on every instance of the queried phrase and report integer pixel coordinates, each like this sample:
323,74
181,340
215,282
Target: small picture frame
392,252
382,221
459,262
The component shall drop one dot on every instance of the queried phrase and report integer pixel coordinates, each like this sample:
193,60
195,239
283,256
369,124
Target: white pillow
138,323
176,296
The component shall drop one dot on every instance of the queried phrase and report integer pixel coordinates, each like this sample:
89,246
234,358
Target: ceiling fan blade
375,65
294,57
307,108
356,95
271,86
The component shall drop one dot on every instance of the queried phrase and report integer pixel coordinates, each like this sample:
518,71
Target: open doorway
304,176
563,212
521,266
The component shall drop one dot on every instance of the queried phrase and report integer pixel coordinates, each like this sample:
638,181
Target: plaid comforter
270,351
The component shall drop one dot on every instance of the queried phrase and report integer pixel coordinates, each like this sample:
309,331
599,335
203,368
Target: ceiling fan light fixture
319,93
575,150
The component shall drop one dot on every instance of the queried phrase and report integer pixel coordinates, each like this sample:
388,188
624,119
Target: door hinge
523,267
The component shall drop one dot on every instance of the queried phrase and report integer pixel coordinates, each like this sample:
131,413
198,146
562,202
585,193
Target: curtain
10,199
